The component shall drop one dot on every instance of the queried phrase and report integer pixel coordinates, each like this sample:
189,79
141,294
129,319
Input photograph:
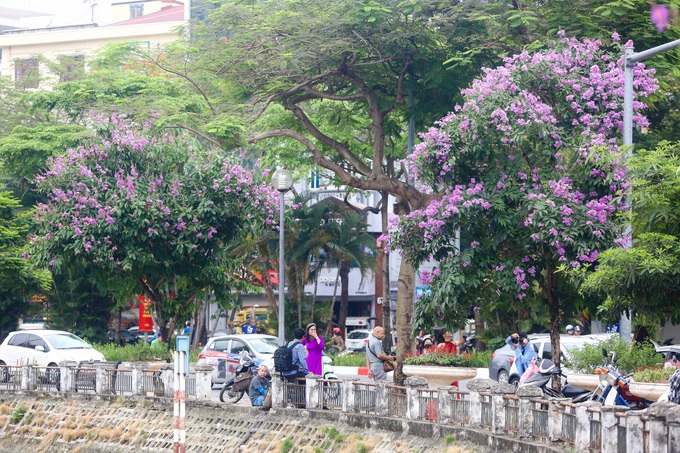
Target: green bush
629,358
479,360
656,374
356,359
18,413
139,352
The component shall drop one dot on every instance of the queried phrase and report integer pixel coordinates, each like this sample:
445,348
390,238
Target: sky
64,12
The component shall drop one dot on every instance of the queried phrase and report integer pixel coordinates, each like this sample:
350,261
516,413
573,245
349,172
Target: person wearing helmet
577,330
570,330
337,341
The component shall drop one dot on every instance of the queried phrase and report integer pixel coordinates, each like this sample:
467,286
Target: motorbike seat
571,391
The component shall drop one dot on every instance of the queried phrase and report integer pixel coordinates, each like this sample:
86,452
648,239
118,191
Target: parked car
223,353
502,367
126,337
46,348
141,335
357,340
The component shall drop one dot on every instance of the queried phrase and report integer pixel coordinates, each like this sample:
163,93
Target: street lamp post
282,180
631,58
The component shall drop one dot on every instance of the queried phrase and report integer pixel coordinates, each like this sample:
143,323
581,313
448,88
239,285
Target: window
220,345
73,67
136,10
238,346
26,73
35,340
20,340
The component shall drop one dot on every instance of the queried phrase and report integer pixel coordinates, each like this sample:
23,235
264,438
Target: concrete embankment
45,423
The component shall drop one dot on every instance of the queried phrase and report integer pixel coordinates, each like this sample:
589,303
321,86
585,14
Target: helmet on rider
336,329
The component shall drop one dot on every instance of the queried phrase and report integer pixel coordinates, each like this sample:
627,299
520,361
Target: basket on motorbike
242,382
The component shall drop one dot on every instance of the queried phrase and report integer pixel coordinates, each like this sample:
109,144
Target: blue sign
248,329
182,344
421,290
616,328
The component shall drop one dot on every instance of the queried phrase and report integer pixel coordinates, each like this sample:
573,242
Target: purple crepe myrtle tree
529,171
151,213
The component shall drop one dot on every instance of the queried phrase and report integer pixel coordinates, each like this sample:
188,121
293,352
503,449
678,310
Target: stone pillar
445,406
138,379
582,428
203,382
474,387
66,375
313,391
658,437
381,399
168,378
412,384
348,395
555,411
32,378
526,414
27,377
673,423
634,431
498,403
278,391
609,427
102,384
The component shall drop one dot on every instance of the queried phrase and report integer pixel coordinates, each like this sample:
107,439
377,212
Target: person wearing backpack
299,357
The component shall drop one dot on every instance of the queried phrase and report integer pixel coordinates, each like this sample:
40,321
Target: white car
357,340
46,348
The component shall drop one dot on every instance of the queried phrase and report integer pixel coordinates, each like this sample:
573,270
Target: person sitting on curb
259,386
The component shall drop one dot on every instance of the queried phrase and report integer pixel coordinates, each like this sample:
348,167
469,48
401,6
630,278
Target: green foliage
139,352
646,276
287,446
333,433
655,374
478,360
356,359
629,358
361,448
449,439
18,413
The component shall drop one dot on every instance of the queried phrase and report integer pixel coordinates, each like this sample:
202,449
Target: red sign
145,319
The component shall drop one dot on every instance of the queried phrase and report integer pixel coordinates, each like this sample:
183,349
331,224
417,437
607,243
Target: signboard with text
145,319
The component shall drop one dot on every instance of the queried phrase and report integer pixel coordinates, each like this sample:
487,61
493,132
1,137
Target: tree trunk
335,292
316,284
555,321
385,256
344,294
405,293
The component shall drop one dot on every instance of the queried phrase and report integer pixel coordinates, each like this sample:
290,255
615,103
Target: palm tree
349,245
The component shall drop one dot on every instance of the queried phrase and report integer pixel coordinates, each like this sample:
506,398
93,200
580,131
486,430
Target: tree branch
197,132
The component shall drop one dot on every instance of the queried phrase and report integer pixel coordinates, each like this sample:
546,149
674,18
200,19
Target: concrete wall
91,423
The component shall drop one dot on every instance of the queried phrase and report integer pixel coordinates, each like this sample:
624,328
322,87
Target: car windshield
568,345
66,341
264,345
357,335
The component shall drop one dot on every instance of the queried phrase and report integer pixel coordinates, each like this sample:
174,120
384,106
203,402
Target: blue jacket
523,355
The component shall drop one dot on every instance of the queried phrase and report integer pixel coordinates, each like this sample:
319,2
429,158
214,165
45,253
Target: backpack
283,358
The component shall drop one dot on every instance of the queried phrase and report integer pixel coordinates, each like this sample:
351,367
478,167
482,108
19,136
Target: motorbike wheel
229,395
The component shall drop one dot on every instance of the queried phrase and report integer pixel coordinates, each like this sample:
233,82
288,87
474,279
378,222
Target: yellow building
150,23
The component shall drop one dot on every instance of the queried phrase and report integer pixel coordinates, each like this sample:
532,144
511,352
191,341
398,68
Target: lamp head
282,180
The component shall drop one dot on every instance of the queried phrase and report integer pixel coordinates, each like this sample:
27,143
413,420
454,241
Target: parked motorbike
608,392
469,346
234,387
546,370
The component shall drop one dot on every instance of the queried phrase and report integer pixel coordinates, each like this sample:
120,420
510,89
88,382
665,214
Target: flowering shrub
528,169
147,208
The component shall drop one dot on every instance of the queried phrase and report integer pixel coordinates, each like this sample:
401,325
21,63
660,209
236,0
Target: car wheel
503,376
514,381
4,372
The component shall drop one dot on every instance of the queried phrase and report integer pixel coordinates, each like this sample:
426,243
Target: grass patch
286,446
356,359
449,439
18,413
361,448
